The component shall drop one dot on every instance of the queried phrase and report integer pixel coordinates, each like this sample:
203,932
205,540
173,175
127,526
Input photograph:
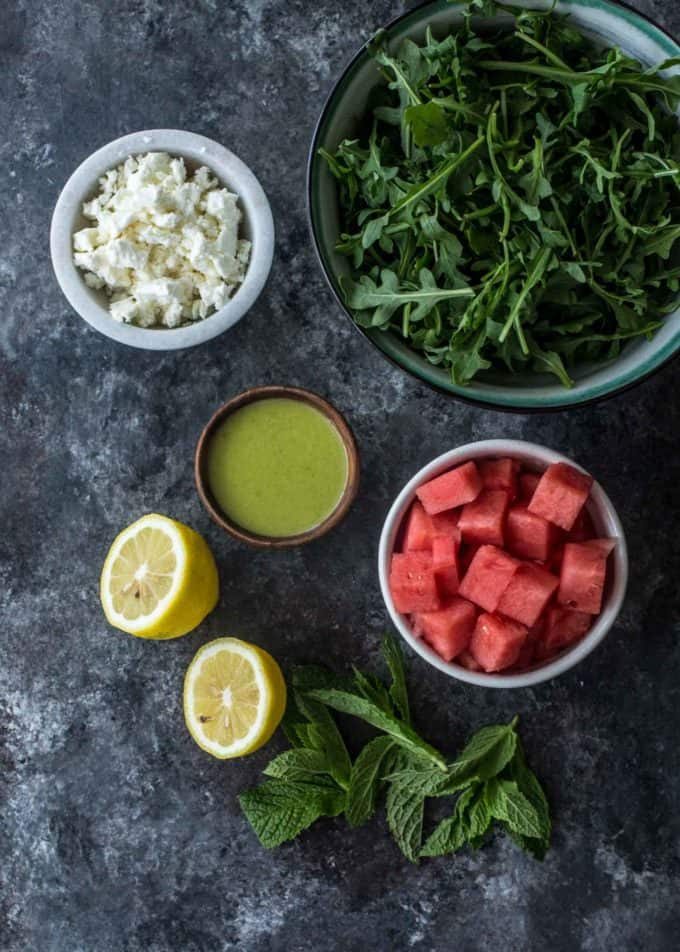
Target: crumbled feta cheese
163,245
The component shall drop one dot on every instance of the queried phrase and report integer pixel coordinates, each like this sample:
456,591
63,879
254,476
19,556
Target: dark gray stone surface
117,834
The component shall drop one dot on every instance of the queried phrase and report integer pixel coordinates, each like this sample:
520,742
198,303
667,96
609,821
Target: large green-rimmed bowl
606,22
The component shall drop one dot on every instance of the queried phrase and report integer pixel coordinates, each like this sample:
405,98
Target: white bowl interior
256,225
605,520
605,23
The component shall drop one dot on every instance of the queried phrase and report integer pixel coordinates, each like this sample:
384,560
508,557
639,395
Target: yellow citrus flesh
159,579
234,697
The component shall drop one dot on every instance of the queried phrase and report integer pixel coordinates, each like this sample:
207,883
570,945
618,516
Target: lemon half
159,579
234,697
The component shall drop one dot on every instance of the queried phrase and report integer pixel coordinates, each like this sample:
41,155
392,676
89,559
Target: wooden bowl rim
267,393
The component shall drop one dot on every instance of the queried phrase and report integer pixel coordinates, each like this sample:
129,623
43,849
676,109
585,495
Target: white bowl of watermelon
503,563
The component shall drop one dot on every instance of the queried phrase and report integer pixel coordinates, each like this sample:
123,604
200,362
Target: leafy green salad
513,201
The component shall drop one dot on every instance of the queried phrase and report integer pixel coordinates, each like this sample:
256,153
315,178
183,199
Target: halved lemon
159,579
234,697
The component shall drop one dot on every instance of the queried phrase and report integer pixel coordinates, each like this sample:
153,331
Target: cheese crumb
164,244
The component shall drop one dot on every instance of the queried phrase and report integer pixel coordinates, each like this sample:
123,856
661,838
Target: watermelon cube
562,627
496,642
449,630
583,529
499,474
445,562
465,660
529,536
466,555
605,546
446,523
455,488
483,519
412,582
582,577
488,576
528,592
537,631
527,485
418,532
526,655
561,494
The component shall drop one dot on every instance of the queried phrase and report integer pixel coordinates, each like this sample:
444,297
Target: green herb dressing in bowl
277,467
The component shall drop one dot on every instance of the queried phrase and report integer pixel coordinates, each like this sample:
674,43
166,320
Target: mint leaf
486,753
323,735
279,810
372,689
394,658
405,810
452,833
298,764
367,778
478,816
507,803
528,784
360,707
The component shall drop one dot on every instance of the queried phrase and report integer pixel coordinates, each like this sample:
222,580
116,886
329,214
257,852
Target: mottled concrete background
117,834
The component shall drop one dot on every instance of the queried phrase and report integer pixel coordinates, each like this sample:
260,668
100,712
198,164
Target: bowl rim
543,456
268,392
231,171
605,392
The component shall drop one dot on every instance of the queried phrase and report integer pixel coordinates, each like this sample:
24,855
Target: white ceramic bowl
257,226
606,523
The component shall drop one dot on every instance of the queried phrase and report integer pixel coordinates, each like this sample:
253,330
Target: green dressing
277,467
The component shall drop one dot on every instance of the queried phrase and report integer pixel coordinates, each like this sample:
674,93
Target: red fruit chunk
562,627
583,529
582,577
605,546
449,630
526,655
488,576
527,485
561,494
445,562
482,519
528,535
419,532
465,660
536,631
466,555
416,627
446,523
529,591
496,642
412,582
499,474
451,489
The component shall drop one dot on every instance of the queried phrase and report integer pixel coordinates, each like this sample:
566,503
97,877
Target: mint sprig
490,782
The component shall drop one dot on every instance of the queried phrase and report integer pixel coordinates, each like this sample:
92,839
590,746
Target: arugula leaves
490,778
511,177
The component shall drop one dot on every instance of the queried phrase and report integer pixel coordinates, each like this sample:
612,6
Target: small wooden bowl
267,393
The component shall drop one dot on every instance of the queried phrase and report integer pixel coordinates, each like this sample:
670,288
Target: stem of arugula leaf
406,319
538,269
549,55
439,176
480,213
